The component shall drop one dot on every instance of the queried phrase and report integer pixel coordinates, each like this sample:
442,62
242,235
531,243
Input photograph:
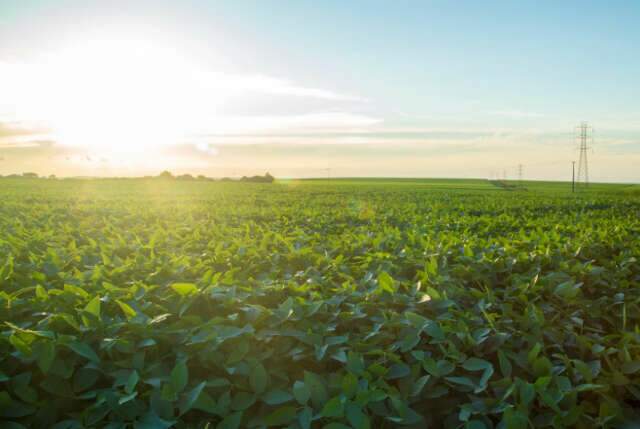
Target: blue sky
406,88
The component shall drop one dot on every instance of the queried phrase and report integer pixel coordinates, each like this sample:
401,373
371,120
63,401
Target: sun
122,96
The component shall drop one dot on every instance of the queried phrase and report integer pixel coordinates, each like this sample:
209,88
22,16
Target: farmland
309,304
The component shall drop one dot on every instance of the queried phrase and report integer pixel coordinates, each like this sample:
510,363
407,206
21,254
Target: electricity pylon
520,174
585,134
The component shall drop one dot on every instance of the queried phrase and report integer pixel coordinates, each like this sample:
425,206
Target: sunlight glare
120,97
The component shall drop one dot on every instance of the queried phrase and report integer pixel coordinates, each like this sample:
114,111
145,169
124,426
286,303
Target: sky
309,88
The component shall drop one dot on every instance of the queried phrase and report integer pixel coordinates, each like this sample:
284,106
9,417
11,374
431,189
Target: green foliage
162,303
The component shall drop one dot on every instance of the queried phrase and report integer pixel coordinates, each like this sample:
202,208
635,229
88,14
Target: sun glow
130,97
117,96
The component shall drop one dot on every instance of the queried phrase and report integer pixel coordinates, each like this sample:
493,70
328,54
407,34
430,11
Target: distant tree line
166,175
267,178
28,175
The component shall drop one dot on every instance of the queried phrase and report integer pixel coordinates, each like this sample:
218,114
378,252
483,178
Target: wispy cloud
311,122
516,114
9,128
271,85
22,135
5,144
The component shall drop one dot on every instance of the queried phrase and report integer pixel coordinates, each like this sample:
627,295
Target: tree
166,175
267,178
30,175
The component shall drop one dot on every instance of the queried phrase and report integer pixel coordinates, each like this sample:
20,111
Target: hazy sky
366,88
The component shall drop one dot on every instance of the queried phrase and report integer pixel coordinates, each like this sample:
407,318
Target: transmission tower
328,170
520,174
585,135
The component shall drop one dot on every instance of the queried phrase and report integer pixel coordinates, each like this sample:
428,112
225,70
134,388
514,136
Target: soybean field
150,303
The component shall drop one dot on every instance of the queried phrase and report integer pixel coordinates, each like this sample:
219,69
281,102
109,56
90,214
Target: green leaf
461,381
476,364
304,418
386,282
41,293
475,424
317,388
243,400
398,370
589,387
75,290
184,289
179,376
84,350
93,307
132,381
355,363
567,290
349,384
356,417
85,378
438,368
258,378
435,331
232,421
151,421
204,402
505,364
70,320
419,384
416,320
631,367
46,355
276,397
301,392
127,398
20,345
12,409
542,366
514,419
281,416
527,393
409,342
334,407
533,353
129,312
